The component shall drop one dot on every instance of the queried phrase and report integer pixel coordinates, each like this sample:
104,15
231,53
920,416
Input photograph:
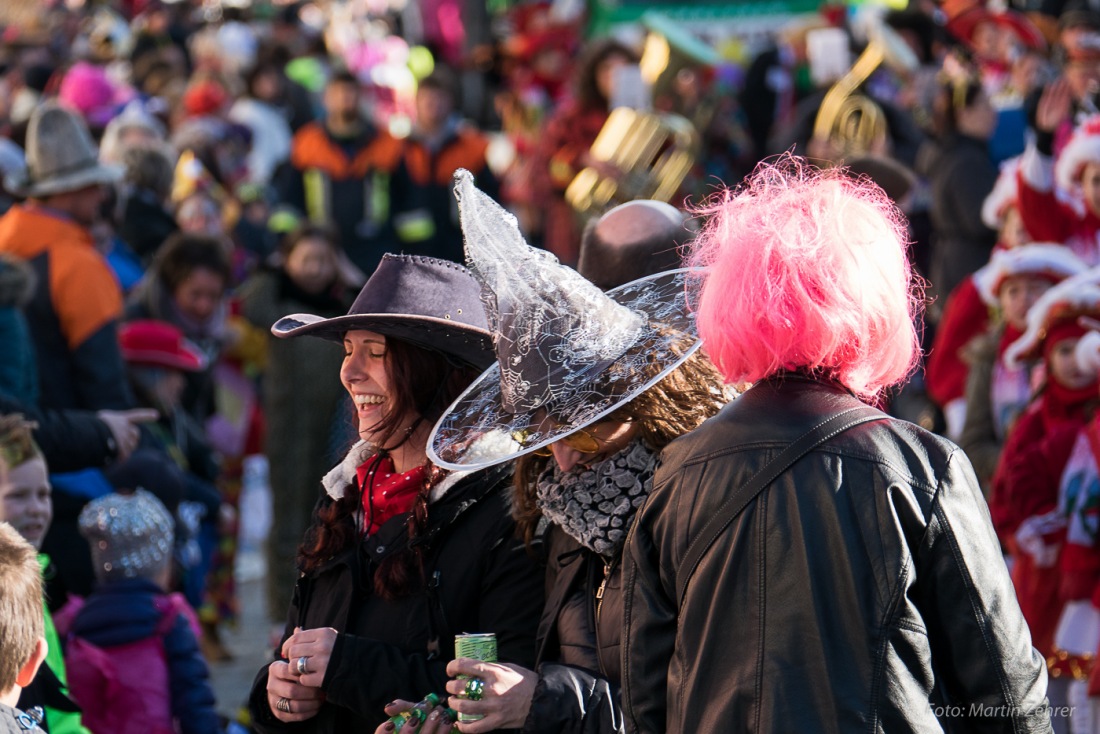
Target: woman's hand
315,646
506,697
303,702
439,720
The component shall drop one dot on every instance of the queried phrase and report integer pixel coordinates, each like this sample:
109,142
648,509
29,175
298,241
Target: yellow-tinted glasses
581,440
584,440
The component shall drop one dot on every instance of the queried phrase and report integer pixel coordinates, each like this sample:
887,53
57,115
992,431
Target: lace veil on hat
567,354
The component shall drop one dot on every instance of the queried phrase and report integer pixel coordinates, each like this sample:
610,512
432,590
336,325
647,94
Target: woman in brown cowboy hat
401,555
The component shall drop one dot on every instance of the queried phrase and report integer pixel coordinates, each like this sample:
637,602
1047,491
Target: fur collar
340,476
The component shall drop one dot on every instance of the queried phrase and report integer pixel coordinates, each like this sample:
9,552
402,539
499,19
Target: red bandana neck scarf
386,493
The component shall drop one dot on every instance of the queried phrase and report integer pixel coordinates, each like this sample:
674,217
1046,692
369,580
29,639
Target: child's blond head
21,614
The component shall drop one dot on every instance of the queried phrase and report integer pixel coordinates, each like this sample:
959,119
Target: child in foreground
22,644
26,504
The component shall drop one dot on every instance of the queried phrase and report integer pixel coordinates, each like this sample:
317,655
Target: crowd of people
692,462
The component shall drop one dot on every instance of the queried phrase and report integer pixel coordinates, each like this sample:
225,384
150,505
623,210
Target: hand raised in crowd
123,425
1055,106
309,652
438,720
506,694
291,701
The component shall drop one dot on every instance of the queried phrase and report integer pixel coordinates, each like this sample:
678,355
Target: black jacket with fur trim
479,578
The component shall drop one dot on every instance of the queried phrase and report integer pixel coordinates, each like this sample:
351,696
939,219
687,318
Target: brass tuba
652,152
849,123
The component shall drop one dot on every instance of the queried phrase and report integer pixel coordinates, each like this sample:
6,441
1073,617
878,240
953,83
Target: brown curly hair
677,404
424,383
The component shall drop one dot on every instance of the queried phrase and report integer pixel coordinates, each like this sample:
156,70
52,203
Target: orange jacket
348,191
425,211
465,150
313,148
74,312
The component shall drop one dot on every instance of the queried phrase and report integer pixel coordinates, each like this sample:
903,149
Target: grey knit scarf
596,506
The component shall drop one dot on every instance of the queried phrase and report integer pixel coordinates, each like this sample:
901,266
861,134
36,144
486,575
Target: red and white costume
1050,203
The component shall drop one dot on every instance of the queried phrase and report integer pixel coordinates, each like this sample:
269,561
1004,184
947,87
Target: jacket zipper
434,649
608,568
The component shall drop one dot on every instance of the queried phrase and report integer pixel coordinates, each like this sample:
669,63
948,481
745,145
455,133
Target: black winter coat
862,591
480,578
70,440
578,643
960,175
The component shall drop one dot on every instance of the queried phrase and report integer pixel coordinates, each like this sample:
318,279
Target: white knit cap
1072,298
1004,194
1083,148
1042,259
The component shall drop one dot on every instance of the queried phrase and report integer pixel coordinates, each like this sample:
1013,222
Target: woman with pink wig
806,562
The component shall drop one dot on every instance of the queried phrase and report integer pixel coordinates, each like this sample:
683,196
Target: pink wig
807,271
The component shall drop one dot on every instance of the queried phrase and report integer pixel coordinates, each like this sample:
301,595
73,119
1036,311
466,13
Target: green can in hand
482,648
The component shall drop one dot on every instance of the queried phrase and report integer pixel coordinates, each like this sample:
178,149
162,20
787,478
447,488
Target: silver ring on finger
301,665
283,704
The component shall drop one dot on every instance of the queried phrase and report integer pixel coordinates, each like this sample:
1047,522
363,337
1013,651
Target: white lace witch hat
568,354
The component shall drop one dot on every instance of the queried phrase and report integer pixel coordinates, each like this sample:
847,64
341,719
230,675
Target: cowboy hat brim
468,343
21,184
477,431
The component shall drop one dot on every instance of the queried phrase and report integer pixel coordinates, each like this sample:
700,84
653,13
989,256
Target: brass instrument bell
852,123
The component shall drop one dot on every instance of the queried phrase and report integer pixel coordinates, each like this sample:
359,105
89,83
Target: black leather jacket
863,590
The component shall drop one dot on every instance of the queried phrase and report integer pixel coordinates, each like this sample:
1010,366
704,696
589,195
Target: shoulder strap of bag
739,499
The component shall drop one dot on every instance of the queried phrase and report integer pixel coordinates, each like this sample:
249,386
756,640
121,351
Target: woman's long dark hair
422,383
588,91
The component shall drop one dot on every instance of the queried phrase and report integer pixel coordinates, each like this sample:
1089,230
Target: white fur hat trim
1083,147
1047,259
1004,194
1079,295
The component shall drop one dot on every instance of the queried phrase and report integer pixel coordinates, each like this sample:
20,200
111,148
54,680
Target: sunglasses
581,440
